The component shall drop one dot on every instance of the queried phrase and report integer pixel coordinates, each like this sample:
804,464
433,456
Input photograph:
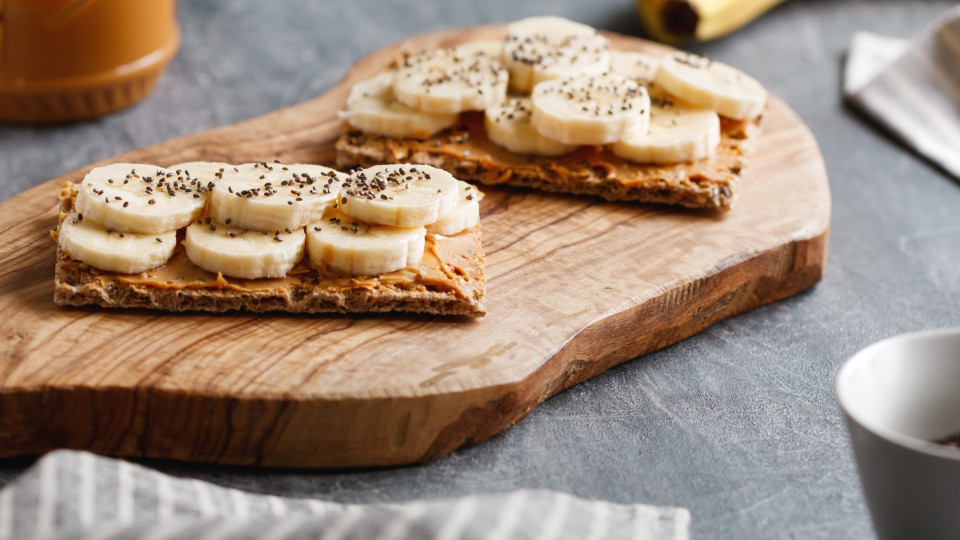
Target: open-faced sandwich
552,107
271,237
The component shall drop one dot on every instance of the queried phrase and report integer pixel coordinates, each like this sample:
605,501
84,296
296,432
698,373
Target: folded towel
912,88
69,494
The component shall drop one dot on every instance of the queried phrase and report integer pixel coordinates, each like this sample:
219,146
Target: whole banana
672,21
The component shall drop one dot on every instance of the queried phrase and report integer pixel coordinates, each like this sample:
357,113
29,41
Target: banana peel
675,21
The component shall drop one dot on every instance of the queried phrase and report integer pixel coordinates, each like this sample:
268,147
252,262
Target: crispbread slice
449,281
467,153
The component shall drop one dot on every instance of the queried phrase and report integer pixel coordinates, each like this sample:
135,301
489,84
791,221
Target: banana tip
679,19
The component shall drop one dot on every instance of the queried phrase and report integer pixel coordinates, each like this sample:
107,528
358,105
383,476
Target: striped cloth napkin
70,494
912,88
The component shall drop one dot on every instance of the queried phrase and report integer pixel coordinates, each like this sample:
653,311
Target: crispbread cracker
468,154
449,281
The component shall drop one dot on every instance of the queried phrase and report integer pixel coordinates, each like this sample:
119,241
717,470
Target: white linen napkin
70,494
912,88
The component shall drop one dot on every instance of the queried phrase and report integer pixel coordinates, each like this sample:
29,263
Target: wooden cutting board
575,286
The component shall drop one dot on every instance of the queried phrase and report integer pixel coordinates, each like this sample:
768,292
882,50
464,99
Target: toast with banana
271,237
552,107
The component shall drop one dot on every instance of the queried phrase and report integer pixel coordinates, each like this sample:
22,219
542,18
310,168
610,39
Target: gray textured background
738,423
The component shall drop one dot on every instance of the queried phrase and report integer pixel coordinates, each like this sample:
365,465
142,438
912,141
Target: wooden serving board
575,286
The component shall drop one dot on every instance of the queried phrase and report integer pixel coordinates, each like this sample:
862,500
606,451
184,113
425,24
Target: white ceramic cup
898,396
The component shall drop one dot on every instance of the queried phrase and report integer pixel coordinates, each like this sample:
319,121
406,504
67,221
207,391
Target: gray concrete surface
738,423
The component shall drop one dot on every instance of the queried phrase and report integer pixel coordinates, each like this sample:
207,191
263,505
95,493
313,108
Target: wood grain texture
575,286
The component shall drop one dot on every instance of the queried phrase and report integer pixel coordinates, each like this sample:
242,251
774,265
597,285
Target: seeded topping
445,68
693,60
589,110
600,96
550,43
436,84
383,184
398,195
547,50
706,71
280,182
268,196
173,184
213,228
662,102
513,110
141,199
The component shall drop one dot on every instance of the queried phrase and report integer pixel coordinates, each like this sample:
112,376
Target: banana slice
488,47
508,125
242,253
587,110
677,133
107,249
638,66
464,216
450,81
274,196
352,247
542,48
712,85
372,108
403,195
204,171
137,198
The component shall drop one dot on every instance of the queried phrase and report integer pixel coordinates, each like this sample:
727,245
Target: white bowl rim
908,441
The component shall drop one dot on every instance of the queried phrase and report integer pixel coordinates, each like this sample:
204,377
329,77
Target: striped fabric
69,494
913,89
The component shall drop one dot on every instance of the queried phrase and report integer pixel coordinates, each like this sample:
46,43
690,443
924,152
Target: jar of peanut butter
65,60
